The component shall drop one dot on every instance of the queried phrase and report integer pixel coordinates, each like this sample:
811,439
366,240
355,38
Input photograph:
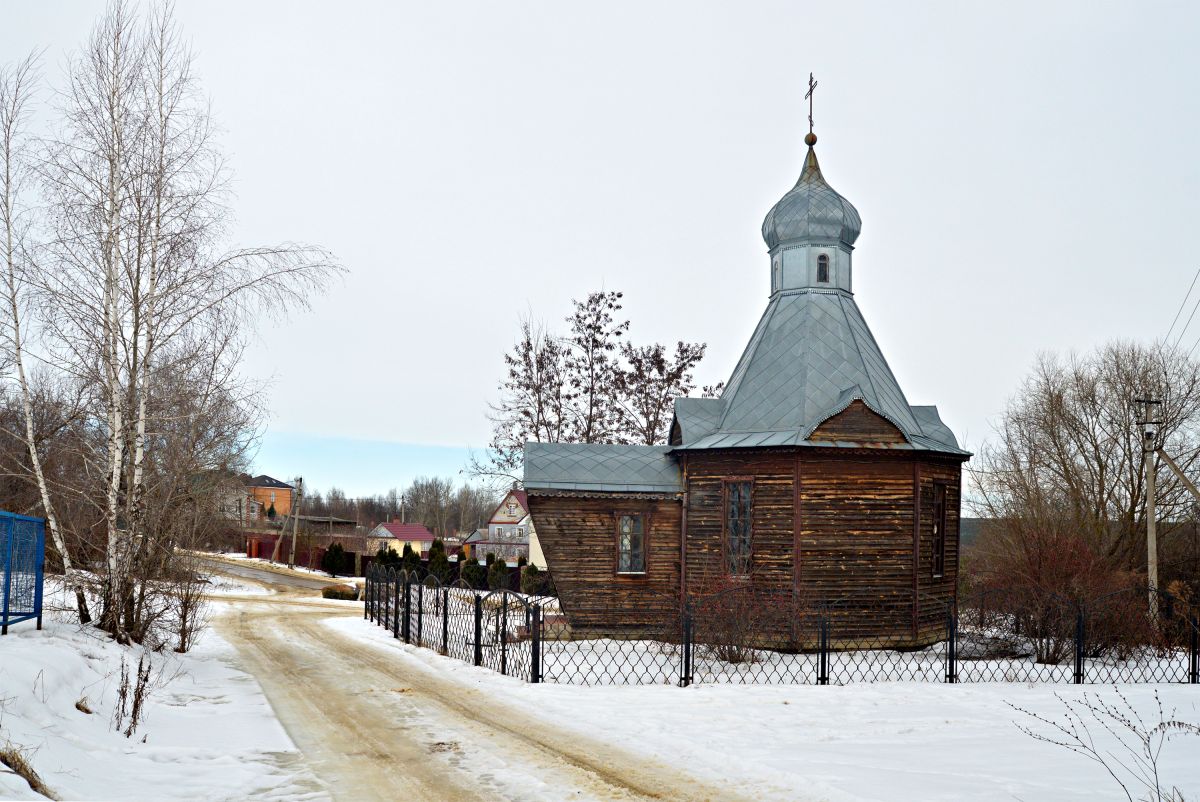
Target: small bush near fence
751,635
343,592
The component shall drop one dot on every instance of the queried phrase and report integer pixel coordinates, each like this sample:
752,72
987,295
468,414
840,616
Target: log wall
578,537
837,525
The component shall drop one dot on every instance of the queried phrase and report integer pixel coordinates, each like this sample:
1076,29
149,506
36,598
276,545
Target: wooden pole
296,520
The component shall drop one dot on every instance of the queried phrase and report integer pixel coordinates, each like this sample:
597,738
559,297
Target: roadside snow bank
887,741
208,731
259,562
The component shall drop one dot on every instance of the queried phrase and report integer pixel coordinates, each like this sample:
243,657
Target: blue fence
23,550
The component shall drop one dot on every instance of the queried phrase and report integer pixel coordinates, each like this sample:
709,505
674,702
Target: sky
1026,174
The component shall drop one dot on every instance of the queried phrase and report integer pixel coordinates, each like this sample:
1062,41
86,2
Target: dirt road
372,729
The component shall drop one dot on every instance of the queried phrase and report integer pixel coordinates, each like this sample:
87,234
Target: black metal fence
757,636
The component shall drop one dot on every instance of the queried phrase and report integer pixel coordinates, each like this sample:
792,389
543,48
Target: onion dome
812,210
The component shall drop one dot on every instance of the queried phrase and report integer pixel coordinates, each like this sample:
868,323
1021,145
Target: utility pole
296,519
1149,452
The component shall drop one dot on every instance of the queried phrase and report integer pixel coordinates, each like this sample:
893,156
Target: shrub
497,575
342,592
474,574
439,565
491,558
334,560
386,558
522,561
410,561
531,581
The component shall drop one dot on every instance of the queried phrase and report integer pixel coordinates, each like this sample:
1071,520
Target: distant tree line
433,501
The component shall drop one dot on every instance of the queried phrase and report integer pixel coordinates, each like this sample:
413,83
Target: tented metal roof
811,356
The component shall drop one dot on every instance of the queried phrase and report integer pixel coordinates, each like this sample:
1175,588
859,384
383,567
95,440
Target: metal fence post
420,611
1194,674
685,666
41,571
367,597
478,630
823,651
502,625
11,534
445,621
407,625
1079,634
535,644
396,607
951,646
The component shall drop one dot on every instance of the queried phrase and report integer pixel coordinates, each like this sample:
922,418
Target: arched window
823,269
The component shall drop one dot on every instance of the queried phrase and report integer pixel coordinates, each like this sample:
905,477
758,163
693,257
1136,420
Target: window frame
823,268
726,550
938,513
644,518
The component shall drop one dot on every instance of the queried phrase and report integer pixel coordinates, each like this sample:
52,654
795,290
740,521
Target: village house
811,474
509,533
394,536
267,498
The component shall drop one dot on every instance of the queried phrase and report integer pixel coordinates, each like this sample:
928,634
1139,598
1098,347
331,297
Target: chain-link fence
752,635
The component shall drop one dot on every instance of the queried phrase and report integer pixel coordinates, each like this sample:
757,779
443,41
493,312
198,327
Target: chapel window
737,527
823,269
939,531
631,544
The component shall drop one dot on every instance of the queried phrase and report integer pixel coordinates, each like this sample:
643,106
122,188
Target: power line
1183,331
1182,304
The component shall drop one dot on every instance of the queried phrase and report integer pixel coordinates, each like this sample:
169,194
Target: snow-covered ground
889,741
208,731
223,585
259,562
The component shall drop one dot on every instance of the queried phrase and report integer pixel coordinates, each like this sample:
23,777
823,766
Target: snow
267,565
208,731
224,585
888,741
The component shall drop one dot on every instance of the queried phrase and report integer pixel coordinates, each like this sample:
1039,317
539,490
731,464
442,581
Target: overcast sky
1027,176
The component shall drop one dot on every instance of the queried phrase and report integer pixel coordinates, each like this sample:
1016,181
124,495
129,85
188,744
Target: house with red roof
395,536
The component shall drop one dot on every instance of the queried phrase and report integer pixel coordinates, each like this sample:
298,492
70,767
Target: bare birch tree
136,294
16,87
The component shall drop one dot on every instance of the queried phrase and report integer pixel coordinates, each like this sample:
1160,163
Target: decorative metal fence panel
23,552
763,636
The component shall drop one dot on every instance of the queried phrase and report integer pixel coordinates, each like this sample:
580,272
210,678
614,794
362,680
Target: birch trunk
13,94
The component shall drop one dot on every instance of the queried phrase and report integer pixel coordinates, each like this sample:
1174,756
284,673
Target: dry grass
343,592
81,704
17,759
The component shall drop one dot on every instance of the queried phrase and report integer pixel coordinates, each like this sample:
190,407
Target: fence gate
23,550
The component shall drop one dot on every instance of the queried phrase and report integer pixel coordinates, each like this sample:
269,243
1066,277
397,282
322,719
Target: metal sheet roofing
811,356
811,210
403,531
601,468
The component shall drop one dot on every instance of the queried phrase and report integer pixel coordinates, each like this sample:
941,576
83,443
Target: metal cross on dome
809,97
